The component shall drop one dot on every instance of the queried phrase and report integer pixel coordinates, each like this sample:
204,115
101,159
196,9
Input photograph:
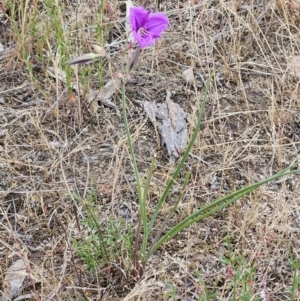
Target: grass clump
103,245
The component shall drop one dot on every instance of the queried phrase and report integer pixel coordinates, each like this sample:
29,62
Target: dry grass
52,147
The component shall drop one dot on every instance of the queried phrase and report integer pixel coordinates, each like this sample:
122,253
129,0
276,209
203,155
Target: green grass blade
216,206
186,180
143,205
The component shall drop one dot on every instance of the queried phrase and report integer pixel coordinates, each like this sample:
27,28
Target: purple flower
147,26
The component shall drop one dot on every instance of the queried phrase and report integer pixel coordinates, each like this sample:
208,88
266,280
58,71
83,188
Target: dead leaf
293,65
13,280
169,118
110,88
188,76
105,93
93,96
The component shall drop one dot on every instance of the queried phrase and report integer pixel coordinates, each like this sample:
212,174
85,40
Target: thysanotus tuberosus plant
145,28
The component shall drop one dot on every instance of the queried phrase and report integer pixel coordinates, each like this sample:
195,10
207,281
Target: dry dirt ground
55,149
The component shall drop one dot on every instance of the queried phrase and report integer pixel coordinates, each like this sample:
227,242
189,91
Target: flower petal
138,17
143,41
156,24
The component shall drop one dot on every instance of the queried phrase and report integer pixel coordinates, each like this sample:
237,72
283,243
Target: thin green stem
141,195
133,159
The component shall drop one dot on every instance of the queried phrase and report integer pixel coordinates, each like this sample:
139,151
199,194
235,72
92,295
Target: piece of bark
169,118
13,281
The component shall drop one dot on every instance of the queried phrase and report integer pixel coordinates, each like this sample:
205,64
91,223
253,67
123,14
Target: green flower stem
142,192
133,160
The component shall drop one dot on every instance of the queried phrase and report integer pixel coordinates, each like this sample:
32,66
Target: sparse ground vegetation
68,201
